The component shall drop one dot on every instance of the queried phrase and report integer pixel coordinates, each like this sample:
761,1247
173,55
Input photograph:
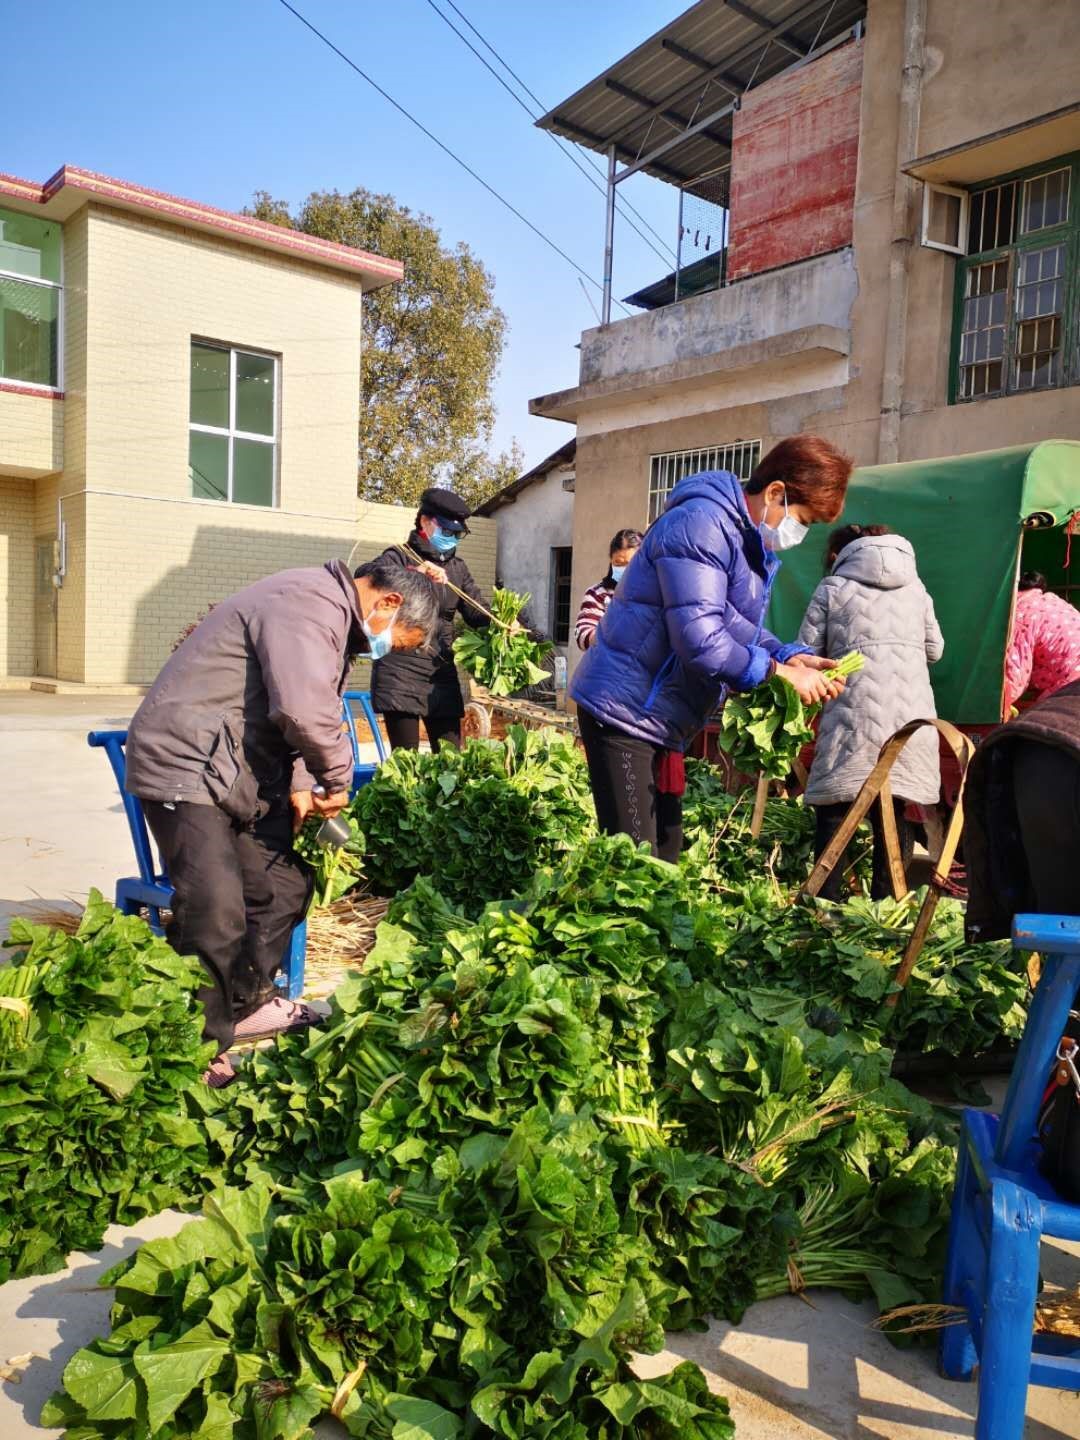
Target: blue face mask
617,572
442,541
380,645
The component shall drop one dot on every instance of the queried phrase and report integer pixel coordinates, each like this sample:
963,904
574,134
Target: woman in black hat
409,687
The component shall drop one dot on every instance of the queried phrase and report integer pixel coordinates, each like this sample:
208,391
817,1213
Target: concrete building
179,407
534,516
899,199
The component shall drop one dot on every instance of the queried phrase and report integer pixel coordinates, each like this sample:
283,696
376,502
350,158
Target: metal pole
678,244
609,235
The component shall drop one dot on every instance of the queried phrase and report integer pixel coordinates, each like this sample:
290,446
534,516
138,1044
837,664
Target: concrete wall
819,292
992,65
180,558
17,576
539,518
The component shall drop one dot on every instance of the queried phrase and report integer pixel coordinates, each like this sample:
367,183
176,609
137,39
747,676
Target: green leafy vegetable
502,660
720,822
764,730
482,818
100,1041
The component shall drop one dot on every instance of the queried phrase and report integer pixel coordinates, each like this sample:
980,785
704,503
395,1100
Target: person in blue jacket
685,625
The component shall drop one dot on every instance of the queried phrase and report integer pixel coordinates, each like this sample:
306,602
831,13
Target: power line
571,155
443,147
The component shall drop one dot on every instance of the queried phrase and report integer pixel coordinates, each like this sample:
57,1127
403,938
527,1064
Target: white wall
539,518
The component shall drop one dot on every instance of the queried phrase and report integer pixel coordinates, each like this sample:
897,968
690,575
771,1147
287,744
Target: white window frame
691,462
232,433
929,191
58,285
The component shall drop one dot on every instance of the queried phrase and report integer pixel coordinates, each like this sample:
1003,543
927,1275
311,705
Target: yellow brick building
179,404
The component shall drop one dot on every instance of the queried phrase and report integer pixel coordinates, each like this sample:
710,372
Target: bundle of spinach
865,1166
100,1043
402,1314
764,730
338,869
722,822
960,998
482,819
498,657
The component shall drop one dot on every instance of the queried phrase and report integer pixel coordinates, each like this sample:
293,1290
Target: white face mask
785,536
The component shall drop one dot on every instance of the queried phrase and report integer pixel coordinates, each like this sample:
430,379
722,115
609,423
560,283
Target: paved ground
793,1370
62,827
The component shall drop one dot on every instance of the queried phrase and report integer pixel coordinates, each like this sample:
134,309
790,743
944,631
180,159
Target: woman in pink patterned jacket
1044,651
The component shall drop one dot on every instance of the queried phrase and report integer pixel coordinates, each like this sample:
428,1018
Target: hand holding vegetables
764,730
503,658
810,684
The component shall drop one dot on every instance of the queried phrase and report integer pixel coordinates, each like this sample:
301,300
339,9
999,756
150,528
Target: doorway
45,606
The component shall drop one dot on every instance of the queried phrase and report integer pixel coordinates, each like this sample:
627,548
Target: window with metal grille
1018,296
561,564
665,471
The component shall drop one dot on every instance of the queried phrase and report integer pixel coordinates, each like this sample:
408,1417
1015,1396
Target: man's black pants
622,772
239,893
403,731
1046,786
829,819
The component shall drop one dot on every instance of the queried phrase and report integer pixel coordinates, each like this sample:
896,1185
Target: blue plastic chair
1003,1206
362,773
151,887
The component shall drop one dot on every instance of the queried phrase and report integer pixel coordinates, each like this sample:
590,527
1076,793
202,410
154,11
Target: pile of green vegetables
764,730
576,1097
101,1051
481,819
960,999
525,1146
498,657
720,822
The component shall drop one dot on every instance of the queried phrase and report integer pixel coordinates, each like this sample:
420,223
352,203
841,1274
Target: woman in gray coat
873,601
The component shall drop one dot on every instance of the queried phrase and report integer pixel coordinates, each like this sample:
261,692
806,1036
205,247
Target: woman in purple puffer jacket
686,625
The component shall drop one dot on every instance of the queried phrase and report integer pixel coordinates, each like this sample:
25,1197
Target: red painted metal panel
795,149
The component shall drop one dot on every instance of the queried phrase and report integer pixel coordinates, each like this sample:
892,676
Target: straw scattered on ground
339,938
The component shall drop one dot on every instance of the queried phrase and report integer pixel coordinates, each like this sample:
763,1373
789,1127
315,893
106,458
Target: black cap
446,507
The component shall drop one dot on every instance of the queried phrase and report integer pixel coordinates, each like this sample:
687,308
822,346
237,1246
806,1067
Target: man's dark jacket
248,707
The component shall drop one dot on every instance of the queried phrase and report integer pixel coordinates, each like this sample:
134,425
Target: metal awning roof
667,106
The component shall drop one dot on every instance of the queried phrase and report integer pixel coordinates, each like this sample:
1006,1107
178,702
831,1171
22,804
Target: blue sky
215,99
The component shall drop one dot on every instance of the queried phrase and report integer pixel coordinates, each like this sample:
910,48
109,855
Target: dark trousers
1046,785
622,772
404,730
239,893
829,818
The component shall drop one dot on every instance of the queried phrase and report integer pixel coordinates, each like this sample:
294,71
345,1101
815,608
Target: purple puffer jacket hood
685,623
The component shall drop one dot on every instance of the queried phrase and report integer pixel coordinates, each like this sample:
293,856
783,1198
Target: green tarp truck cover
965,517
